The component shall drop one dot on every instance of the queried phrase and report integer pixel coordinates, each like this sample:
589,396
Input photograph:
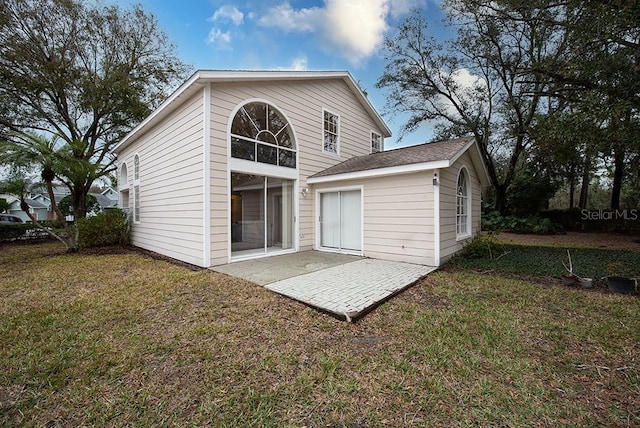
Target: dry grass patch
124,339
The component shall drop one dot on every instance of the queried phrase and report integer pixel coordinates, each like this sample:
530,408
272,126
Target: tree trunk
618,173
501,193
584,185
572,184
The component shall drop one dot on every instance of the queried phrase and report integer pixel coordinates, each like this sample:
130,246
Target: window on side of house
331,136
376,142
136,189
463,205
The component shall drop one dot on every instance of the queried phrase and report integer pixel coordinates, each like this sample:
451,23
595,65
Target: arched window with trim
260,133
463,205
124,178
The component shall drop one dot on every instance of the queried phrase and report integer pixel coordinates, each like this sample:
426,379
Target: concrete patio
347,286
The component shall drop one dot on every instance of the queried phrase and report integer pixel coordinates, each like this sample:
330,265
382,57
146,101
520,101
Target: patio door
341,220
262,215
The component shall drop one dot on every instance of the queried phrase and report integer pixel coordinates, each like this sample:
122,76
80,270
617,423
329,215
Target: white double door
341,220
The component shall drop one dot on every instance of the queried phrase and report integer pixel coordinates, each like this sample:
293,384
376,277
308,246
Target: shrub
11,232
483,246
110,227
494,222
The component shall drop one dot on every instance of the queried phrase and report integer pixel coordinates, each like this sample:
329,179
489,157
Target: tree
599,75
83,73
475,84
47,157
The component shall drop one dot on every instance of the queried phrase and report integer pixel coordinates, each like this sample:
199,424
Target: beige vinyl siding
171,181
398,216
302,102
448,181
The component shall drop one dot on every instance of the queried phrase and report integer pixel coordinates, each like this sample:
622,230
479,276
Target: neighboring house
244,164
104,202
38,208
110,193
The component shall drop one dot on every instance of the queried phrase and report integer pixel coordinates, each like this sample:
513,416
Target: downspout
206,179
436,217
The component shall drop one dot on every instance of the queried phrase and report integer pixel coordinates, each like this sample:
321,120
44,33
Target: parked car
10,219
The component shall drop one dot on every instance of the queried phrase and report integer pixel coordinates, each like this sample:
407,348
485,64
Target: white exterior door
341,220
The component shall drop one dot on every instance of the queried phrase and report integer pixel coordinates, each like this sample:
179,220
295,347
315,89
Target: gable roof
202,77
441,154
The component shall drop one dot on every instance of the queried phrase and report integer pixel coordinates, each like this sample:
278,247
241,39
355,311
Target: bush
110,227
11,232
483,246
495,222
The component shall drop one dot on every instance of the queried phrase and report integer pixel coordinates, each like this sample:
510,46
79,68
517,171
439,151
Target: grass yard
124,339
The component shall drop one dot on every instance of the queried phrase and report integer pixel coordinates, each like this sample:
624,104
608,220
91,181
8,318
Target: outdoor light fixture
435,179
304,191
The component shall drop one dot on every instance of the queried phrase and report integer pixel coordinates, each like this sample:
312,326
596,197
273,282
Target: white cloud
220,39
228,13
298,63
288,19
401,7
356,27
352,29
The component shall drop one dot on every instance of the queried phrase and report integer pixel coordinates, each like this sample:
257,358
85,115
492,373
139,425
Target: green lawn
124,339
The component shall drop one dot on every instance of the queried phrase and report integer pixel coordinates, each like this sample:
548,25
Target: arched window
124,179
463,205
260,133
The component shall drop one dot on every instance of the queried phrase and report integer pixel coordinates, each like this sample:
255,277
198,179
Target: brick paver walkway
351,288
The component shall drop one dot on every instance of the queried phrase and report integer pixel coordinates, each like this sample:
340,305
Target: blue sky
293,35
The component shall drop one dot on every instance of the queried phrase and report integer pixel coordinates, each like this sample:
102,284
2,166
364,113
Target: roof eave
380,172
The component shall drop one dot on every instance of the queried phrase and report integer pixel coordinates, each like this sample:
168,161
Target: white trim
469,206
380,172
436,217
317,214
122,186
257,168
371,141
339,126
206,179
136,185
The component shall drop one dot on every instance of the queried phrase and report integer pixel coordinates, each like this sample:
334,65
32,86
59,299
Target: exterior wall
171,184
398,216
302,102
449,245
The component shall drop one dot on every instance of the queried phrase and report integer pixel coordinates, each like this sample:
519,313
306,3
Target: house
110,193
38,207
237,165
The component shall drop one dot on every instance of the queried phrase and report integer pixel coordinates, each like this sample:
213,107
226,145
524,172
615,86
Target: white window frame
337,133
463,206
376,136
136,188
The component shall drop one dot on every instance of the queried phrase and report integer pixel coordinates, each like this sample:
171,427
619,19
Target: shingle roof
422,153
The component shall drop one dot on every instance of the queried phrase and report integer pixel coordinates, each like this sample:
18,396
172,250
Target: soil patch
612,241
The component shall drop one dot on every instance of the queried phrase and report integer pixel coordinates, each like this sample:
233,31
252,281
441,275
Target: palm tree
51,157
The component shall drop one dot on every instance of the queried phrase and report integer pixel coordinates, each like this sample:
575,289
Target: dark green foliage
529,193
66,205
10,232
547,262
484,246
110,227
3,205
494,221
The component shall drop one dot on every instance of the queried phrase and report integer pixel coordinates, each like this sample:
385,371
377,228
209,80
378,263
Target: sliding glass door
341,220
262,215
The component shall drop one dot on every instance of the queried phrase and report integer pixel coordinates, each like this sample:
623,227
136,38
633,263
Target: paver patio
347,286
